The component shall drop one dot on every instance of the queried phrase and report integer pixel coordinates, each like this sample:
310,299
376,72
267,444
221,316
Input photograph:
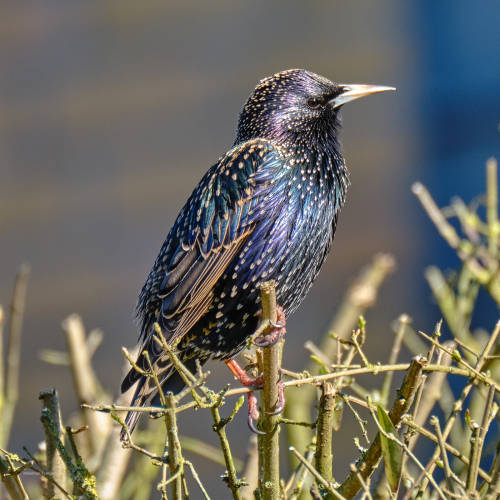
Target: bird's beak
351,91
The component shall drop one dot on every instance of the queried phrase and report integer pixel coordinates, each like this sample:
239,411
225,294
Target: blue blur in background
110,113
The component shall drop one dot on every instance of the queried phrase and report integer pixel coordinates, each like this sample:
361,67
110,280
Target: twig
369,461
114,464
54,461
457,407
407,420
83,480
473,459
11,385
492,206
364,484
442,446
11,480
394,438
404,319
297,480
493,491
477,440
85,382
466,250
138,484
433,391
175,461
197,479
220,428
129,443
323,456
268,443
109,408
473,371
359,420
327,486
318,379
446,230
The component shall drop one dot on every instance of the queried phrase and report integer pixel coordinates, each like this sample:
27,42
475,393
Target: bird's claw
267,340
278,332
276,324
253,413
280,404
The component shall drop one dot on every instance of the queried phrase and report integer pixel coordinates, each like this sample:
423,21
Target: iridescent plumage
266,210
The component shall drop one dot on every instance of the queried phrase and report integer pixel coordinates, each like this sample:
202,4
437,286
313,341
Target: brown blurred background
110,112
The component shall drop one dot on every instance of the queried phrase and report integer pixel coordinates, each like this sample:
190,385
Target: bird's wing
211,229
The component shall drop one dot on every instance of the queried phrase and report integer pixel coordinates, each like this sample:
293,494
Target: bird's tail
146,392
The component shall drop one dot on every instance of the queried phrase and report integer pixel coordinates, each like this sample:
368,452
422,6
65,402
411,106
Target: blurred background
110,112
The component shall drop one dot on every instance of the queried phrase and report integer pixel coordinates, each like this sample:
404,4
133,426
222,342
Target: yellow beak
352,91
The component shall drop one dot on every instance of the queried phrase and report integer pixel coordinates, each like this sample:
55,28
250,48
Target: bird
266,210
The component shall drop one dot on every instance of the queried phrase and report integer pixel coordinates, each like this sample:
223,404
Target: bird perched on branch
266,210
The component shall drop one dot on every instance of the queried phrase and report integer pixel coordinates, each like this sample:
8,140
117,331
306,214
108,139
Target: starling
266,210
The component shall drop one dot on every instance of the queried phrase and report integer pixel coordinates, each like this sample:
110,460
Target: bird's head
298,108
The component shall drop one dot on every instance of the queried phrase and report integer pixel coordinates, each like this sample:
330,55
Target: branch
85,382
403,320
492,206
11,386
220,428
268,443
457,406
369,461
11,480
476,441
82,479
326,485
175,461
326,413
55,464
407,420
114,464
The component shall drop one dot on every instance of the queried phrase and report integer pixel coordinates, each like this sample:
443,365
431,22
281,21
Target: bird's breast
292,239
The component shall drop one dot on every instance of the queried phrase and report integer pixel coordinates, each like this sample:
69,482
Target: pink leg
279,331
242,376
247,381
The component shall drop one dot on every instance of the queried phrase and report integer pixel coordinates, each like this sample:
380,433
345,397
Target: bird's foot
255,383
253,412
242,376
277,333
248,381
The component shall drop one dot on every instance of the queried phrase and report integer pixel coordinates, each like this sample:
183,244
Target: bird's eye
315,102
